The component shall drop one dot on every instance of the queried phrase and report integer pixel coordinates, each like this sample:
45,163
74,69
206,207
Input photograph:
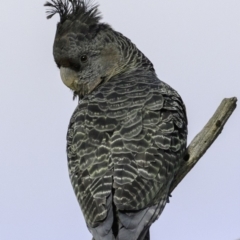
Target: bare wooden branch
205,138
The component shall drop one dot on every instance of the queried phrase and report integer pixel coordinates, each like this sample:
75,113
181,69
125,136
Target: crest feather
83,10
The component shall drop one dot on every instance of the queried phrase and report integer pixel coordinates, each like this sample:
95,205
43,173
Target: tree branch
205,138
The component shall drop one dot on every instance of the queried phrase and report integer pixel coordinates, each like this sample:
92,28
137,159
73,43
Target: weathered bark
205,138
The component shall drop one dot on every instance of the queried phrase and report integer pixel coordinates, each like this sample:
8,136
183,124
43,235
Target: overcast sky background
195,47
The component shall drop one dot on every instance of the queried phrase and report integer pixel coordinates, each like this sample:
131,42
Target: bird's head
88,52
84,49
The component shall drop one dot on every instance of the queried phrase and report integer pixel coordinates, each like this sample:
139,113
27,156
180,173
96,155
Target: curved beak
69,77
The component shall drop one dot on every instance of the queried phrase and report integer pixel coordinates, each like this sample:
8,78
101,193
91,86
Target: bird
127,137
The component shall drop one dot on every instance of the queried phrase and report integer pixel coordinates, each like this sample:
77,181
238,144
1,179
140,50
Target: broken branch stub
205,138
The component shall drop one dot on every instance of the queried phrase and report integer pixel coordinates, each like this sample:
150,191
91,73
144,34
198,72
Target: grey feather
127,136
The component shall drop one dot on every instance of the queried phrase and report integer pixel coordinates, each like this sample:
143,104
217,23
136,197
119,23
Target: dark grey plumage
127,136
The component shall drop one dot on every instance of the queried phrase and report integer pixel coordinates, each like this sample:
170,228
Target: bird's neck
131,58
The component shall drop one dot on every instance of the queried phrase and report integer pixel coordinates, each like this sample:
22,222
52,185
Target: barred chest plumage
127,139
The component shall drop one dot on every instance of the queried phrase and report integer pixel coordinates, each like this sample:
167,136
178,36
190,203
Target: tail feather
132,225
147,236
104,230
135,225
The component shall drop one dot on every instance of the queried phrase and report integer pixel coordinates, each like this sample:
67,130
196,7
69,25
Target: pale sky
195,48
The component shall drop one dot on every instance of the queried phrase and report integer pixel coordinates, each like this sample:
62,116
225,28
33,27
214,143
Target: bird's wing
147,151
148,146
88,152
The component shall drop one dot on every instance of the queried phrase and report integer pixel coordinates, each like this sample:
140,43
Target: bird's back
125,143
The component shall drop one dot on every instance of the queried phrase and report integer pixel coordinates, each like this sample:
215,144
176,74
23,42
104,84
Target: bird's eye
84,58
